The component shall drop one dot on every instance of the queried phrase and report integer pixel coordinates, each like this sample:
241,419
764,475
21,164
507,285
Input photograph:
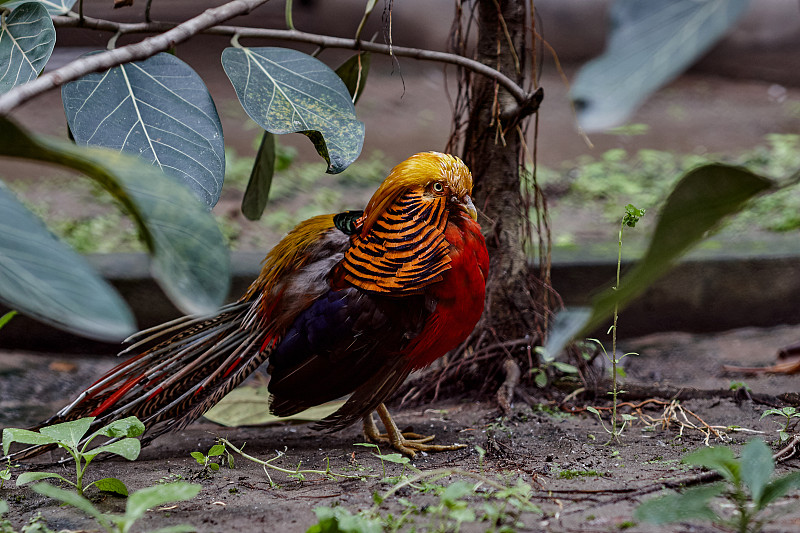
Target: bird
345,304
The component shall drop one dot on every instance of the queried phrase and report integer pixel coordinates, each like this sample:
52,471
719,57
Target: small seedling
71,437
390,458
297,473
207,460
34,525
137,505
739,385
747,487
5,474
614,431
790,415
501,507
547,366
629,219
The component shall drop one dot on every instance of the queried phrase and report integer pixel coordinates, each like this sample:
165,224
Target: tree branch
134,52
527,103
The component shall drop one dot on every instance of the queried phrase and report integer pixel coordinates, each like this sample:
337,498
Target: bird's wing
346,342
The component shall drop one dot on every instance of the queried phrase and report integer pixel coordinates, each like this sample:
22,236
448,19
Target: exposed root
477,364
505,394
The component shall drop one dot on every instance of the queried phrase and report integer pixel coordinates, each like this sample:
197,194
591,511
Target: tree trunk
493,151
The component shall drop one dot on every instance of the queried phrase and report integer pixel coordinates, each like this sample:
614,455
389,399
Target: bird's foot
407,443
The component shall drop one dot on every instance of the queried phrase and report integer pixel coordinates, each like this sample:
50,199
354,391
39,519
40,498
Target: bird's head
433,175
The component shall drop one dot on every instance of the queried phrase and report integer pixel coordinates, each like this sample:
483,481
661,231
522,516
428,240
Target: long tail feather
186,367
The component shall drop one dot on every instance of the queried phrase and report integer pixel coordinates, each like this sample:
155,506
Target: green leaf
778,488
111,484
393,458
249,406
178,528
28,477
142,500
340,520
53,7
69,433
27,38
462,515
286,91
692,504
127,448
45,279
455,491
126,427
199,457
6,318
757,467
649,44
257,192
190,259
566,368
217,449
696,205
3,507
24,436
158,109
71,498
719,458
354,73
213,466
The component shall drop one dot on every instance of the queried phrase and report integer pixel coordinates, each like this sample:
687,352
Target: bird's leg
406,443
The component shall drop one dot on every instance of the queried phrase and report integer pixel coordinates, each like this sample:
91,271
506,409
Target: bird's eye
438,187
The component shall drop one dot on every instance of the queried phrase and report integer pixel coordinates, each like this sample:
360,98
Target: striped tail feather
183,369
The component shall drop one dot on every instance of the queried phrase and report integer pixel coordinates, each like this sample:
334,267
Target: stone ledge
699,295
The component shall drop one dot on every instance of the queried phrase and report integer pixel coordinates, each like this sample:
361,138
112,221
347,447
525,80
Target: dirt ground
579,482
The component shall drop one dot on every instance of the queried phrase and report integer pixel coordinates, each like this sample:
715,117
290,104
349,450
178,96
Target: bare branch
134,52
527,103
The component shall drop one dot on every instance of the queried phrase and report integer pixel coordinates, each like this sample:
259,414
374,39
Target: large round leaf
27,38
286,91
158,109
650,43
42,277
190,259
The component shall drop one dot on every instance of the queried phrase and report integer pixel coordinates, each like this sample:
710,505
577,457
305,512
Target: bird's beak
467,205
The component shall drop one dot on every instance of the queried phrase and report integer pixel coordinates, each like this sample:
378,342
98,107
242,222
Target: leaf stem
268,464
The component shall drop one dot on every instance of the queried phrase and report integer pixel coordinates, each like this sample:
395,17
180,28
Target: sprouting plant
790,415
390,458
296,473
739,385
71,437
546,367
137,505
34,525
499,509
747,487
207,460
629,219
5,474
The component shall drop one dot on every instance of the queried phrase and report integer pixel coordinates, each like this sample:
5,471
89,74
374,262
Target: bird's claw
411,443
407,443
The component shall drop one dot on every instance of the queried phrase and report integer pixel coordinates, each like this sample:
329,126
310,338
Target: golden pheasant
345,304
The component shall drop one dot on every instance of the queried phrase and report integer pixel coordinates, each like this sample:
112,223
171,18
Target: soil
541,442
